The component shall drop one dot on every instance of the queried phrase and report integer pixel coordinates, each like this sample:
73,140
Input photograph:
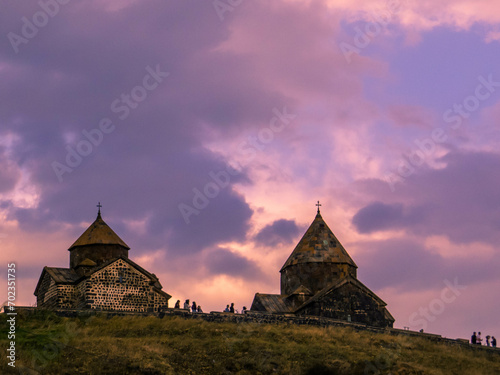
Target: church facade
320,278
100,276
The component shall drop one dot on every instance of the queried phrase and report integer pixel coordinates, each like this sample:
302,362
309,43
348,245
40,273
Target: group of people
194,308
478,340
230,309
197,308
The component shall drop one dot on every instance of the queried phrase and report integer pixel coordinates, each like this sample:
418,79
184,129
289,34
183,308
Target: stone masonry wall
314,276
66,296
79,301
348,301
97,253
121,287
47,293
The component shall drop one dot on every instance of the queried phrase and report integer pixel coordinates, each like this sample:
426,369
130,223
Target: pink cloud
408,115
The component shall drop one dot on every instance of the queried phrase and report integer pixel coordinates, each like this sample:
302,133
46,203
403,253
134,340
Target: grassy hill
174,345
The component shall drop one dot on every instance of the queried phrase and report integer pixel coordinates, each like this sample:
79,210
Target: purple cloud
461,200
379,216
406,264
281,231
9,173
225,262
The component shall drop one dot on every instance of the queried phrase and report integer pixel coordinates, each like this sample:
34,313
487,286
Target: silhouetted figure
231,309
199,309
493,341
473,338
478,338
186,304
193,307
488,340
226,309
177,304
244,310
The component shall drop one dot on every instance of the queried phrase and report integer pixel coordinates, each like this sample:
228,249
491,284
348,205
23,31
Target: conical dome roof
99,233
319,245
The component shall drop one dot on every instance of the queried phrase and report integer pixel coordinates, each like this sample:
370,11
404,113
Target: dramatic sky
209,129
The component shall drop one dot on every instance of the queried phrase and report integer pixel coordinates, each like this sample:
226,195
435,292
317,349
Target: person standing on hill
493,341
177,304
199,309
473,338
488,340
186,305
226,309
194,308
231,309
478,338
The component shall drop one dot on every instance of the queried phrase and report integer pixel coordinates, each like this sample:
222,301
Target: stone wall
314,276
66,296
119,286
97,253
347,302
47,293
80,300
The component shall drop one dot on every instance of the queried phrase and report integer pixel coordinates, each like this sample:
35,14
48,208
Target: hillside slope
148,345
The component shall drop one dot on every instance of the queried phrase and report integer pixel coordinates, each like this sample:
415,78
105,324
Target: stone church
100,276
319,278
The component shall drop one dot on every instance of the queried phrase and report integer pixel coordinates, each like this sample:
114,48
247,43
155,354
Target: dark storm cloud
225,218
379,216
461,201
279,232
155,190
223,261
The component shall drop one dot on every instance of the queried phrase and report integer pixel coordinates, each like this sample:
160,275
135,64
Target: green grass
148,345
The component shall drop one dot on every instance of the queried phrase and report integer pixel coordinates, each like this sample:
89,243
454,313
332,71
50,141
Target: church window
121,276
